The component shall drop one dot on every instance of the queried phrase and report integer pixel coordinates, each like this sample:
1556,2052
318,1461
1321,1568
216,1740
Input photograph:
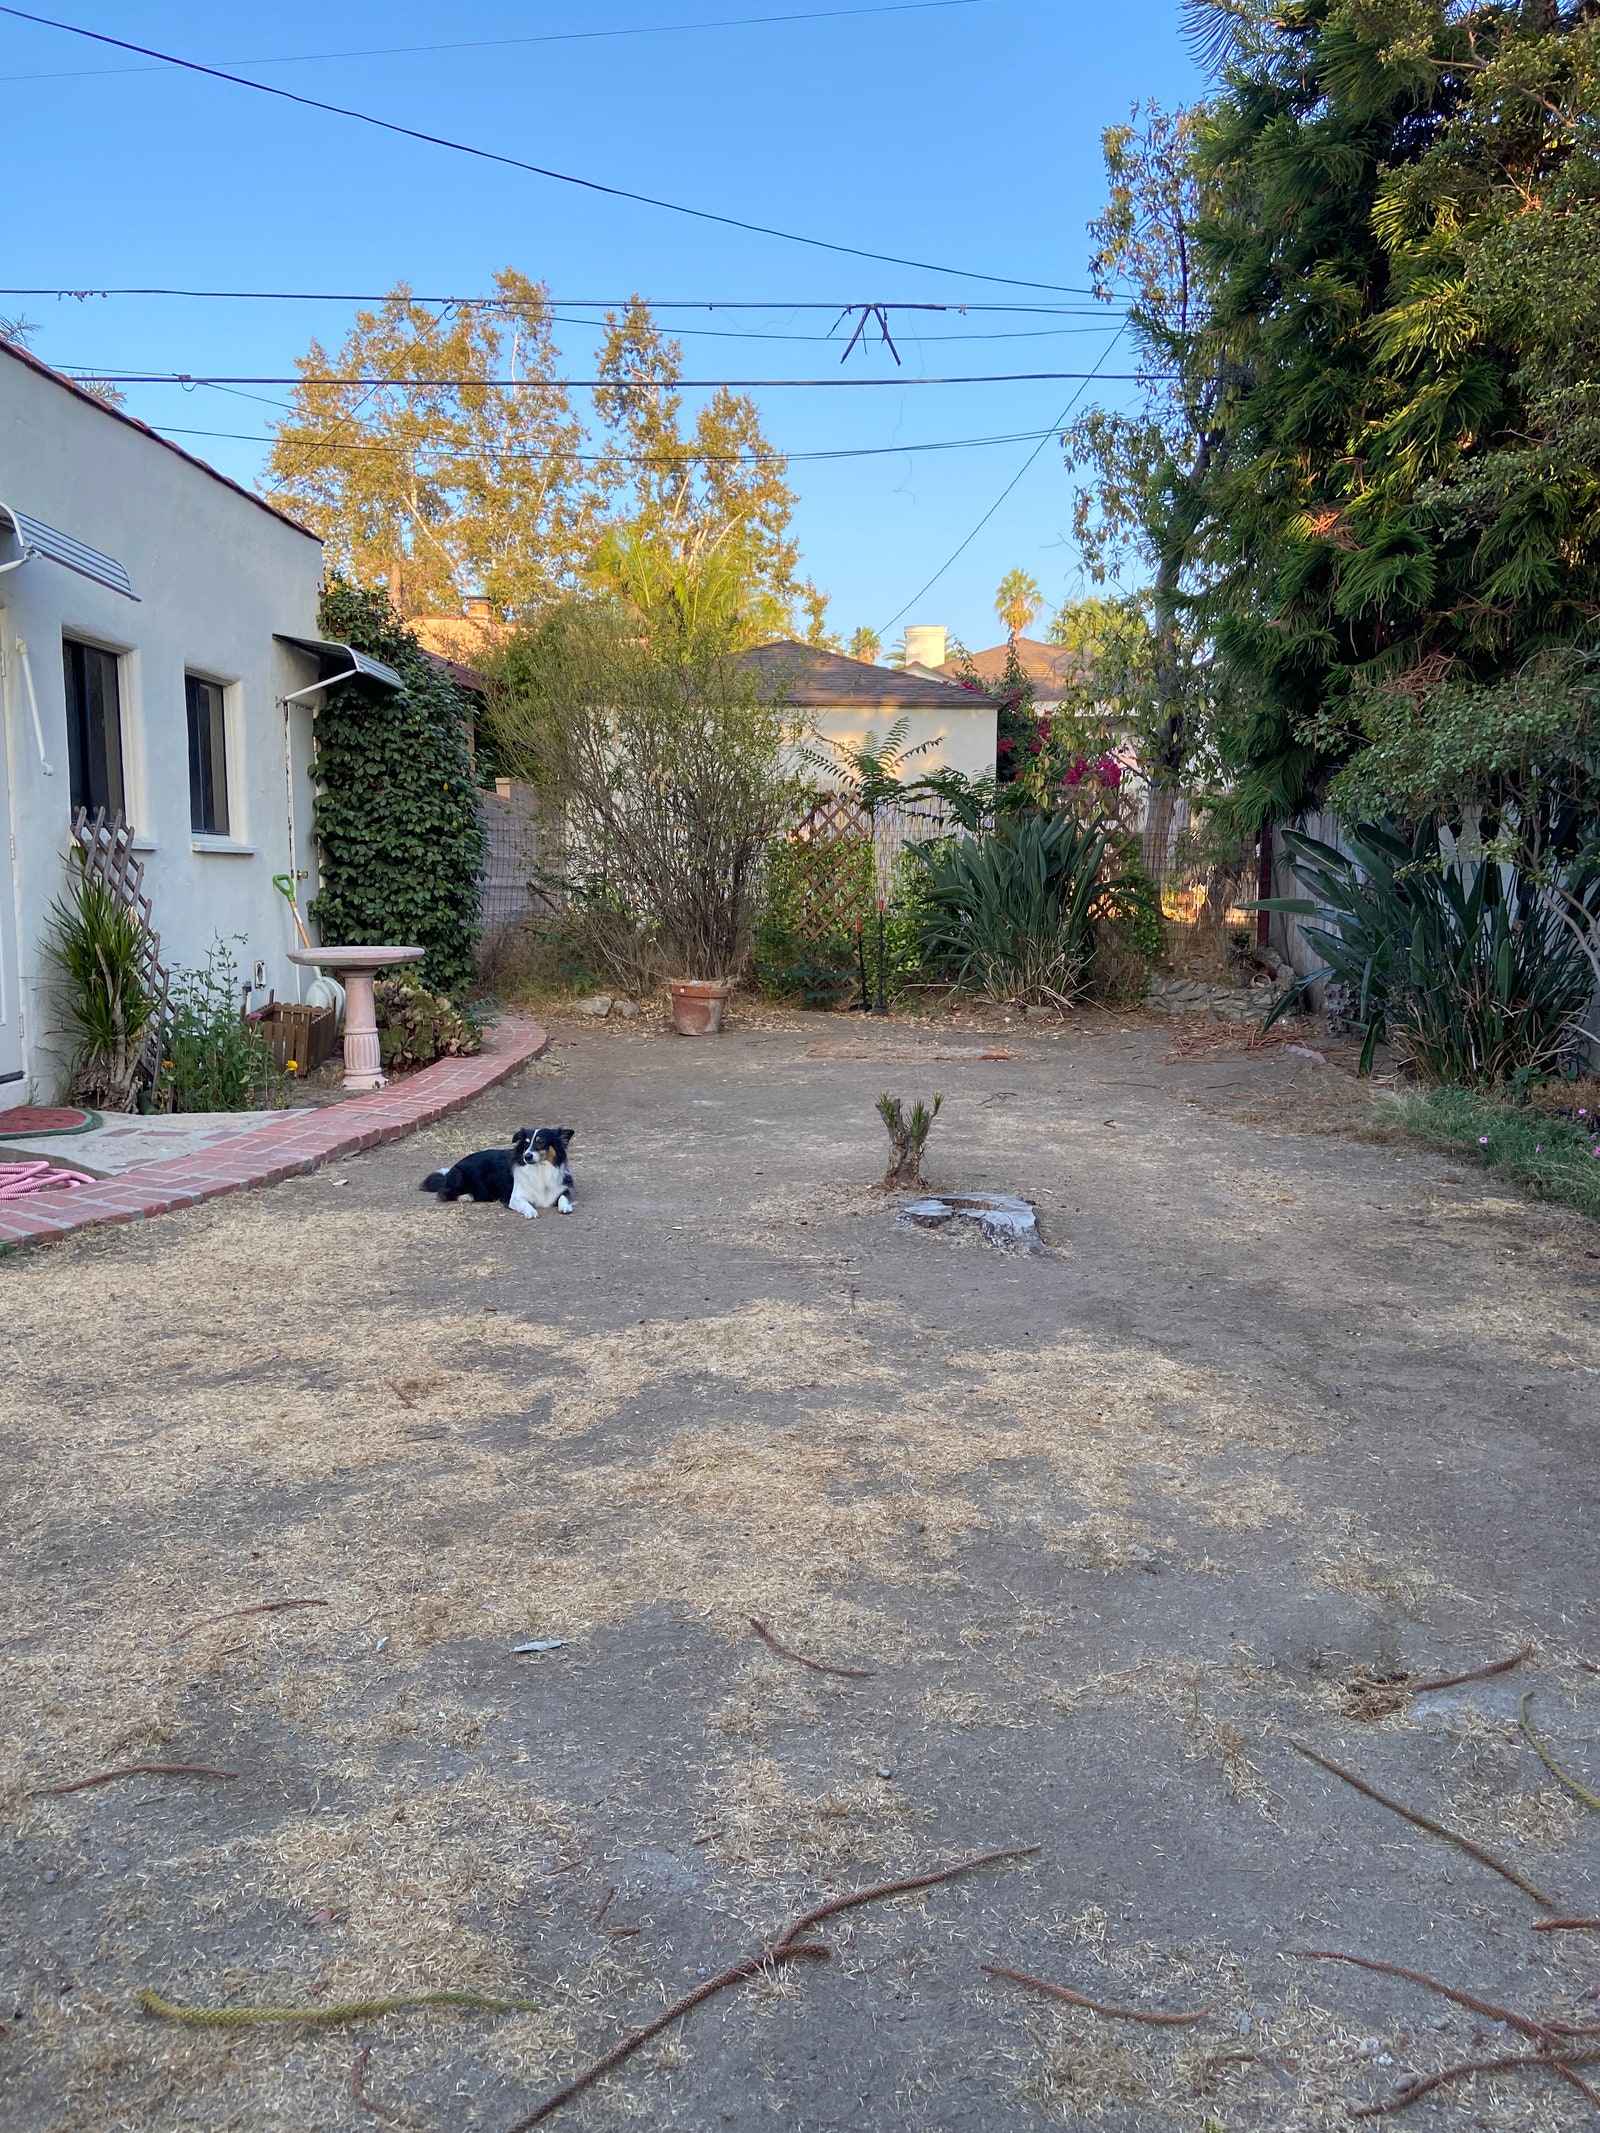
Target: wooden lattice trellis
835,895
829,888
831,818
106,843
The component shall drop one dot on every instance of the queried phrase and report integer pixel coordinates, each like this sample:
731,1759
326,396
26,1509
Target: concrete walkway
273,1146
128,1142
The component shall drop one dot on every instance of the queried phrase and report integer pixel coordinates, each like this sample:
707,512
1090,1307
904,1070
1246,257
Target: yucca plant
1009,910
1465,963
907,1137
98,945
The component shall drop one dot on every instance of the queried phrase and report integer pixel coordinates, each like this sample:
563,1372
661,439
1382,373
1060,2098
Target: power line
538,170
493,44
579,303
1054,430
621,385
688,456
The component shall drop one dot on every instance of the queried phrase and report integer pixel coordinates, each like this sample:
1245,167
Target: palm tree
1017,601
866,644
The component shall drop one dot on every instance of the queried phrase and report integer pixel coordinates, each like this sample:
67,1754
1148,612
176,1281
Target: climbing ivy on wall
400,836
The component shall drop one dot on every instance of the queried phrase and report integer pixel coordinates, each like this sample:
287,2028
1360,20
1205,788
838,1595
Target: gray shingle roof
821,681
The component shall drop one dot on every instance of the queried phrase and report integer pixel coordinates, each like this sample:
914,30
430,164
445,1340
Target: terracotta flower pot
697,1005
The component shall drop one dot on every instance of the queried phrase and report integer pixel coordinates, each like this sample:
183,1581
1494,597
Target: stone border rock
287,1148
1190,996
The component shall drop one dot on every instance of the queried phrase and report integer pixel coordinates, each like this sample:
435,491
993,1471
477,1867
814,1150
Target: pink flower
1109,771
1483,1140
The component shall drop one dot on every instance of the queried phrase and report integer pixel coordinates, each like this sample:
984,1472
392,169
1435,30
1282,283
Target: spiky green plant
97,946
1009,910
1464,962
907,1137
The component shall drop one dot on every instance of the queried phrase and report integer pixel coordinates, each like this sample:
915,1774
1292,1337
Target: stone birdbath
355,969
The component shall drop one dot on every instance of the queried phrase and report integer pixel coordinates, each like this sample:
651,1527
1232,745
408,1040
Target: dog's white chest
537,1184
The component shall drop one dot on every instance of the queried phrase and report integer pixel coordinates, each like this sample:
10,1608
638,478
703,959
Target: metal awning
344,660
34,537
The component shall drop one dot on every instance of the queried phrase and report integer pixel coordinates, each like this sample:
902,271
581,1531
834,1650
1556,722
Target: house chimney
925,644
478,607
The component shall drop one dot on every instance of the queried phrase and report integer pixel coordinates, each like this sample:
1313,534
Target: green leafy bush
215,1059
97,946
661,759
1008,911
1463,963
400,837
1130,934
416,1026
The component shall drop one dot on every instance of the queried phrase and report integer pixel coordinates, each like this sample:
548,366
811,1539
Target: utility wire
617,385
685,457
576,303
538,170
1054,430
494,44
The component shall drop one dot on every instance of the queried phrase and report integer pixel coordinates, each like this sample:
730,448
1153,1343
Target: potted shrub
659,758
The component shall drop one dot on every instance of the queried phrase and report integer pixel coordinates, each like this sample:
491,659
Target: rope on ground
329,2017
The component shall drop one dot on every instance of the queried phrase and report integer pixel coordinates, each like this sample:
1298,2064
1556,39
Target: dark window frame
206,719
97,771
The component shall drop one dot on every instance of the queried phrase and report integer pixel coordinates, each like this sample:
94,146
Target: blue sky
964,134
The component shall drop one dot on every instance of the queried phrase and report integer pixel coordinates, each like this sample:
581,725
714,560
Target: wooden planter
307,1035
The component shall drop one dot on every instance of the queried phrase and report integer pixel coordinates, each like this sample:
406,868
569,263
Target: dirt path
1107,1528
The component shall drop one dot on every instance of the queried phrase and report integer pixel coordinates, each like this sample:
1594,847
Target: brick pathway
281,1150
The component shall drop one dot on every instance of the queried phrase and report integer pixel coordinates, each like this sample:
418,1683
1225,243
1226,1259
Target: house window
94,727
208,758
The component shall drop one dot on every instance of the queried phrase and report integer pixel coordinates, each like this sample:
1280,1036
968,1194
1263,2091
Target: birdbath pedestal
355,969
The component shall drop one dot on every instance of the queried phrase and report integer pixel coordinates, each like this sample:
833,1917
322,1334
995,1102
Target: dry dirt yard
1105,1530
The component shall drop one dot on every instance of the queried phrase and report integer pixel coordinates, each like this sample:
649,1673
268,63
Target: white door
10,1000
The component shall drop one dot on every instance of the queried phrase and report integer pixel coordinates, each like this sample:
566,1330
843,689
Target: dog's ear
566,1133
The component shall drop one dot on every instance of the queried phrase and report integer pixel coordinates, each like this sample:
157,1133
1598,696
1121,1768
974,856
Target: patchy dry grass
291,1396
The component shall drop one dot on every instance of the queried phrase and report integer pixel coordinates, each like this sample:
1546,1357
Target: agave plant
1010,909
1466,963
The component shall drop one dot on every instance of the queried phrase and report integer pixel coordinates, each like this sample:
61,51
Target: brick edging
287,1148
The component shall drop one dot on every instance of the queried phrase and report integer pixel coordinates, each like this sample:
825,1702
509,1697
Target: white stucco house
840,701
159,654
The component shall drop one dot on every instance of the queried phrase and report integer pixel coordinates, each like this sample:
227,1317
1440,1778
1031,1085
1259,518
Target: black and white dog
532,1173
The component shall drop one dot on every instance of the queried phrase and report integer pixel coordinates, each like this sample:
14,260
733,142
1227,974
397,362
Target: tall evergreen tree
1400,244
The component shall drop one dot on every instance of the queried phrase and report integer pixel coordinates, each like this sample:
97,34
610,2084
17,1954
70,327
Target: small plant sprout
907,1137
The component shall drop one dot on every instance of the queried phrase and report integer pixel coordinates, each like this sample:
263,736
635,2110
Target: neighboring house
1052,668
160,655
841,701
461,641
